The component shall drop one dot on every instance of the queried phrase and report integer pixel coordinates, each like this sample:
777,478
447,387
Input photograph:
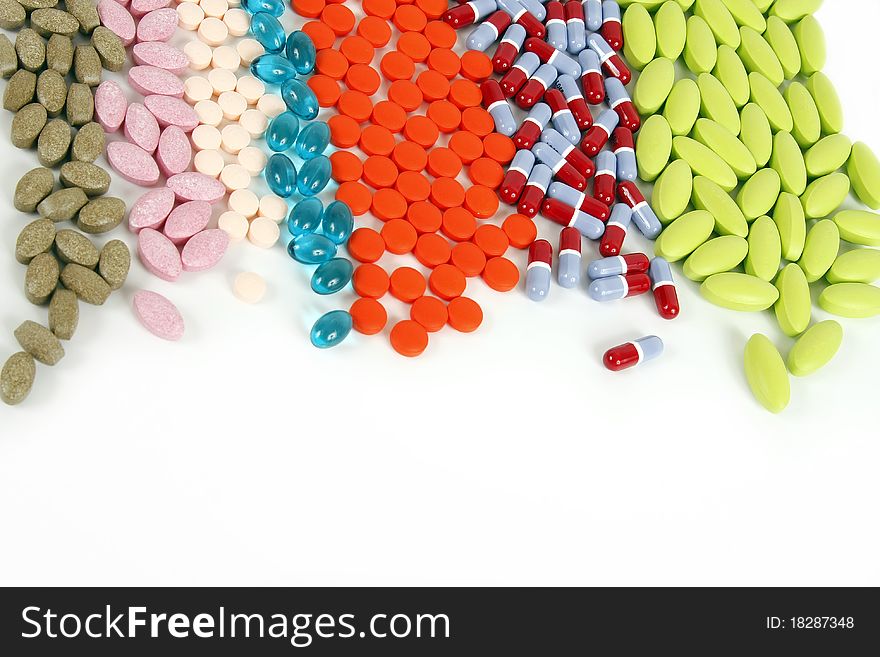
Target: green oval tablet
784,45
791,224
793,308
745,12
653,147
685,4
720,21
682,106
725,144
756,134
739,292
811,43
732,74
828,155
718,255
729,219
716,103
758,57
765,249
670,26
827,102
684,235
820,249
856,266
824,195
794,10
654,84
767,96
704,162
766,374
815,348
700,49
758,194
806,125
859,227
789,163
763,5
864,172
856,300
639,37
672,191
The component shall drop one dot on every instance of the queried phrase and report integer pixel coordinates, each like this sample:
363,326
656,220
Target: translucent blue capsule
274,7
273,69
313,140
332,276
299,99
305,217
300,50
311,249
268,31
331,329
282,131
338,222
281,175
314,175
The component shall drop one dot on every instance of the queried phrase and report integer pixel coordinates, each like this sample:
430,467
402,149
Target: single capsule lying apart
332,276
314,175
300,50
311,249
633,353
272,69
665,294
331,329
299,99
569,271
538,270
281,175
312,141
305,217
282,131
338,222
268,31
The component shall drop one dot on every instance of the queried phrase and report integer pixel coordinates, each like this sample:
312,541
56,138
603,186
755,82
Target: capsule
314,175
565,215
577,104
630,354
599,133
562,118
620,102
625,152
274,7
536,9
519,74
272,69
508,49
299,99
496,104
268,31
469,13
300,50
522,16
580,200
643,216
533,90
619,287
517,174
612,31
312,140
559,60
605,182
282,131
538,270
631,263
562,170
331,276
331,329
574,26
615,230
337,223
557,35
611,62
532,126
591,77
569,272
305,217
311,249
665,295
566,149
593,14
488,31
536,187
280,175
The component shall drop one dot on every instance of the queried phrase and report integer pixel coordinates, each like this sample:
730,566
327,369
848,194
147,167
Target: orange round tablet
421,130
389,115
397,66
424,217
464,314
499,147
430,312
325,88
445,115
413,186
344,131
486,171
345,166
356,196
443,163
432,250
370,280
520,230
379,171
382,8
433,9
406,94
483,203
501,274
363,78
407,284
447,282
366,245
458,224
476,66
464,94
445,62
440,34
414,45
469,258
388,204
409,156
466,145
376,140
308,8
478,121
355,104
432,85
339,17
492,240
321,35
368,316
409,338
375,30
447,193
399,235
409,18
357,50
331,63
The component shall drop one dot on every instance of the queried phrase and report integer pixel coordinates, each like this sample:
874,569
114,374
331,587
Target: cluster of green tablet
742,142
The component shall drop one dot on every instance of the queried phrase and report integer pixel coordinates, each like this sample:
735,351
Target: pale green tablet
765,249
705,162
653,147
811,43
767,96
789,163
855,300
682,106
825,195
856,266
639,37
758,57
729,219
780,38
732,74
745,12
739,292
756,134
720,21
820,249
700,49
670,25
806,125
654,84
864,172
716,103
718,255
766,374
827,102
723,142
815,348
794,306
828,155
672,191
758,194
788,215
684,235
859,227
794,10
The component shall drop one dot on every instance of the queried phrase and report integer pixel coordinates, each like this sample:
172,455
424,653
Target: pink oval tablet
169,110
158,25
204,250
159,255
151,210
158,315
195,186
140,7
156,53
141,127
133,163
116,18
186,220
124,3
149,80
110,105
175,152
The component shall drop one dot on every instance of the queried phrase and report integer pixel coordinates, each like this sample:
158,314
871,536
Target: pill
485,34
160,55
204,250
158,315
593,14
557,35
741,292
619,287
114,263
600,132
569,268
244,202
615,230
519,14
509,48
133,163
195,186
612,30
576,34
311,248
605,181
561,169
331,329
190,15
562,118
624,152
158,254
233,138
17,375
249,50
663,286
263,232
314,176
630,354
305,217
632,263
766,374
312,140
576,103
538,270
39,342
271,105
609,60
533,90
221,80
517,174
141,127
495,103
622,104
536,187
209,162
158,25
115,17
214,31
532,126
199,54
578,199
566,215
569,152
251,88
216,8
235,177
300,99
815,348
172,111
249,287
226,57
592,80
253,159
101,215
301,51
643,216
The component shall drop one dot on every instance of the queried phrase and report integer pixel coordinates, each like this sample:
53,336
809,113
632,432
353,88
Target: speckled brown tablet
41,278
59,53
12,15
63,314
53,21
85,12
35,238
8,57
109,47
31,50
17,378
101,215
87,65
30,5
80,104
51,92
39,342
90,178
19,90
63,204
115,263
88,144
27,124
86,284
32,188
53,142
73,246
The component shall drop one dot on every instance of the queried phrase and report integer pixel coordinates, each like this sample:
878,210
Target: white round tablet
226,57
271,105
249,49
209,112
235,224
234,138
238,22
273,207
255,122
210,163
222,80
197,88
213,31
206,138
249,287
263,232
234,3
253,159
235,176
233,104
251,88
199,55
189,16
245,202
214,8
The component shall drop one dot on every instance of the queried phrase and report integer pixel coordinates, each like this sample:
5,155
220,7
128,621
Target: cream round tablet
232,103
263,232
238,22
234,224
213,31
214,8
210,163
253,159
222,80
226,57
251,88
199,55
233,3
255,122
249,49
206,138
209,112
197,88
245,202
189,16
234,138
249,287
271,105
273,207
235,176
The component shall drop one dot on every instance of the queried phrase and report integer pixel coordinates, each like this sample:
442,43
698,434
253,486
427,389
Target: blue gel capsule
312,140
268,31
305,217
332,276
282,131
311,249
280,175
314,175
299,99
274,7
300,50
272,69
331,329
593,15
338,222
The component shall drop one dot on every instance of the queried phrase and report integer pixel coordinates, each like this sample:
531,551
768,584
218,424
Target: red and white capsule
522,16
569,151
538,270
515,179
557,36
536,188
565,215
591,77
643,215
615,230
613,288
633,353
620,102
611,62
612,31
580,200
605,181
562,170
665,294
599,133
625,152
577,104
568,274
532,127
496,104
562,118
508,49
559,60
575,26
631,263
537,85
469,13
488,31
519,74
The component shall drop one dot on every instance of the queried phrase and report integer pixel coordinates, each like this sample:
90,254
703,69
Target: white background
244,456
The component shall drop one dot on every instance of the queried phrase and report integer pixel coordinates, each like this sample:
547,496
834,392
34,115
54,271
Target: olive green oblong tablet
758,194
725,144
828,155
768,98
793,308
653,86
766,374
856,300
716,256
700,49
732,74
765,249
739,292
763,5
716,103
639,36
811,43
670,26
789,163
756,134
745,13
682,106
856,266
684,235
806,125
863,169
859,227
827,102
780,38
820,249
815,348
791,224
705,162
720,21
672,191
794,10
824,195
729,219
758,57
653,146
